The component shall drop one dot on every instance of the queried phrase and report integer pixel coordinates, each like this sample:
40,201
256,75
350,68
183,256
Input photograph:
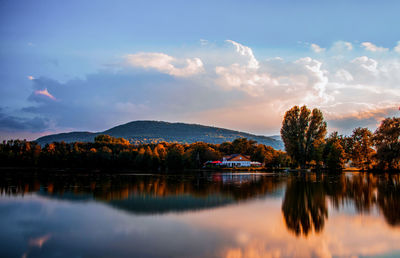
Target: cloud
30,77
341,46
10,123
316,48
203,42
344,75
273,78
359,115
373,48
166,64
366,63
348,45
45,93
235,90
41,92
397,47
247,52
39,241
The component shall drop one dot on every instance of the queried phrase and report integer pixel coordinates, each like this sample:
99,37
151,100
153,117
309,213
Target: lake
204,215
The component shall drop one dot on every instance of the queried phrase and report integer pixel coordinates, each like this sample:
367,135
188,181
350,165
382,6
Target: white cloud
367,63
276,79
235,91
397,47
166,64
316,48
344,75
30,77
348,45
248,80
247,52
373,48
203,42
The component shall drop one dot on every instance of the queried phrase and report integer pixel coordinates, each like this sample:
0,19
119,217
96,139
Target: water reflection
206,215
305,204
148,194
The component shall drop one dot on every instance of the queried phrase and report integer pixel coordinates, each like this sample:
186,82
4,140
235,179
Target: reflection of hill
155,205
149,194
305,203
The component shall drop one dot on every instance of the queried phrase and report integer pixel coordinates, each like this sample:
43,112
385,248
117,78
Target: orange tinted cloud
39,241
46,93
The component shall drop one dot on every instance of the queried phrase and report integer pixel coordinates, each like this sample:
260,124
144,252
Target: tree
200,152
259,153
243,146
361,151
301,129
174,158
387,142
104,138
334,154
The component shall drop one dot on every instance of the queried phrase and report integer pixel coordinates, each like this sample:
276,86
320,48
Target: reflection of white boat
236,178
297,170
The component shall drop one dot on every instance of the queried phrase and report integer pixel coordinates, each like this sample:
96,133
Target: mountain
276,137
157,131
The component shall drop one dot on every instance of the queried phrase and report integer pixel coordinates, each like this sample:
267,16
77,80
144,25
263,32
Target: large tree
361,151
387,143
334,154
301,129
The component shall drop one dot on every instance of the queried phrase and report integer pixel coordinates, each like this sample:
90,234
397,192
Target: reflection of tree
360,189
304,206
389,199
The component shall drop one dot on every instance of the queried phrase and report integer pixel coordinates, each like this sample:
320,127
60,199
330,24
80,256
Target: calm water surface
207,215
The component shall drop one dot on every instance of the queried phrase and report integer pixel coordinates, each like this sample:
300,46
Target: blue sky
89,65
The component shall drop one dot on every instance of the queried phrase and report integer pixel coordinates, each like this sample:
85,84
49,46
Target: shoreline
110,171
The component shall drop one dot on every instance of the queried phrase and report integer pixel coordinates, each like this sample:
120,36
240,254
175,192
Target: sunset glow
256,62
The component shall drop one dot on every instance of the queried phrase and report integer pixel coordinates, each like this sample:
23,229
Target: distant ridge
157,131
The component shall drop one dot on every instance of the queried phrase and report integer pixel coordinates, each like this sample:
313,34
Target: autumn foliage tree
334,154
361,148
301,130
387,143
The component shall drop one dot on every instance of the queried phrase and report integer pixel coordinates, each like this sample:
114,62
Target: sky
91,65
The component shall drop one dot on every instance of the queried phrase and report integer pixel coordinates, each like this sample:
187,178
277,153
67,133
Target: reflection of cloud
263,233
36,242
39,241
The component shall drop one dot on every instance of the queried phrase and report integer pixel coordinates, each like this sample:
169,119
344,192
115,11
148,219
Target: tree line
110,152
304,135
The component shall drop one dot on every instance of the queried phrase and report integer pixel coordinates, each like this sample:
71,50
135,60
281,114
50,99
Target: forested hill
157,131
